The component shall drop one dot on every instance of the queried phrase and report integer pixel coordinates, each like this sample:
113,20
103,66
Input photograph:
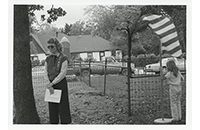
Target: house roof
78,44
39,46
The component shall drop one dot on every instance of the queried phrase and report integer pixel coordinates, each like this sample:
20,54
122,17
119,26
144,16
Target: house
75,46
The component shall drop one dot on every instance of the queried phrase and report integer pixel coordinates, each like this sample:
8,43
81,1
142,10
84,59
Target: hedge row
143,59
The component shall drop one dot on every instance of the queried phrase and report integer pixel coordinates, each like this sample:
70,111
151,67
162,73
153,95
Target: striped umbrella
165,29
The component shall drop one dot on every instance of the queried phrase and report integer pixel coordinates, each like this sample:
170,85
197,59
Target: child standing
174,78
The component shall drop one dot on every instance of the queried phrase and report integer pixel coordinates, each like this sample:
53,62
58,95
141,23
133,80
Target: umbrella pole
162,120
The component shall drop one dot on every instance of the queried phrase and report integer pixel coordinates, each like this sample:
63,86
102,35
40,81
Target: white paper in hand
53,97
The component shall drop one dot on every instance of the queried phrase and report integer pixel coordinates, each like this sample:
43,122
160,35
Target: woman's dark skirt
61,109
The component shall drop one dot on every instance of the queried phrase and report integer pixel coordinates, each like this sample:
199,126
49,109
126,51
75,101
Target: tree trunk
24,102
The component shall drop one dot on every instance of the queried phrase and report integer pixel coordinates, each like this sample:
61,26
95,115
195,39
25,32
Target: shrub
35,63
92,59
144,59
78,59
42,62
125,58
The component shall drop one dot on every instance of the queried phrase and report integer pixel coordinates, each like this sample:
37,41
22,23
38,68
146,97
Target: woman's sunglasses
50,47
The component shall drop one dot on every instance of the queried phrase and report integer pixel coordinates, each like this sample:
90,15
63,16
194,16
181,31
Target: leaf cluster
54,13
33,8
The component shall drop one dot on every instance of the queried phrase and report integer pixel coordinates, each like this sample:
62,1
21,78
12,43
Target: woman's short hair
57,43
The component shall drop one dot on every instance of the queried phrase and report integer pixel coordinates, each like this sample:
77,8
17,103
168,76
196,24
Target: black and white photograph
104,64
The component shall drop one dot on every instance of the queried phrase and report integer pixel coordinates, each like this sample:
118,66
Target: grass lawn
89,105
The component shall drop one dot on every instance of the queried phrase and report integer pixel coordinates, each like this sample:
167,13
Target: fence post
145,58
105,76
81,76
89,72
129,71
184,65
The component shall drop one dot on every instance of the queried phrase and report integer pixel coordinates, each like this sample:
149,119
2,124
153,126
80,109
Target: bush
35,63
42,62
78,59
144,59
91,59
125,58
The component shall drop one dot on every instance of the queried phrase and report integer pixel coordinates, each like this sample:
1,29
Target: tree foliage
46,28
127,17
52,15
80,28
33,8
67,28
102,18
77,28
108,20
149,41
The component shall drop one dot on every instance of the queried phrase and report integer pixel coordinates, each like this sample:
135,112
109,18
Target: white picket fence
38,78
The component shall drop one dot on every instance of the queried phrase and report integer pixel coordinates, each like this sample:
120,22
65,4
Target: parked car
113,67
181,64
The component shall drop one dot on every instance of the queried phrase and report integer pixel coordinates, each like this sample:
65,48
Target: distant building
83,46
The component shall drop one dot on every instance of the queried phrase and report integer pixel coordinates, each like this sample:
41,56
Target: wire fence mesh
146,96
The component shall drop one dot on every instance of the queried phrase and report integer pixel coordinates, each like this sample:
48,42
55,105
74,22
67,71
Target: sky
74,13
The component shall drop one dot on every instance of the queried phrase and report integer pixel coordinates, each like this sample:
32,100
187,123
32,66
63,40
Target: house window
102,54
33,58
89,54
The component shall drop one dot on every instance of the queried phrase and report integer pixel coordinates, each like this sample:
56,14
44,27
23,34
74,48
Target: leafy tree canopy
108,20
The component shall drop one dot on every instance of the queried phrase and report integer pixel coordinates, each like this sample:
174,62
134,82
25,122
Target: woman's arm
62,73
167,75
182,78
46,79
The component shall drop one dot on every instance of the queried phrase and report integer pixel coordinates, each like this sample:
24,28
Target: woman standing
56,68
